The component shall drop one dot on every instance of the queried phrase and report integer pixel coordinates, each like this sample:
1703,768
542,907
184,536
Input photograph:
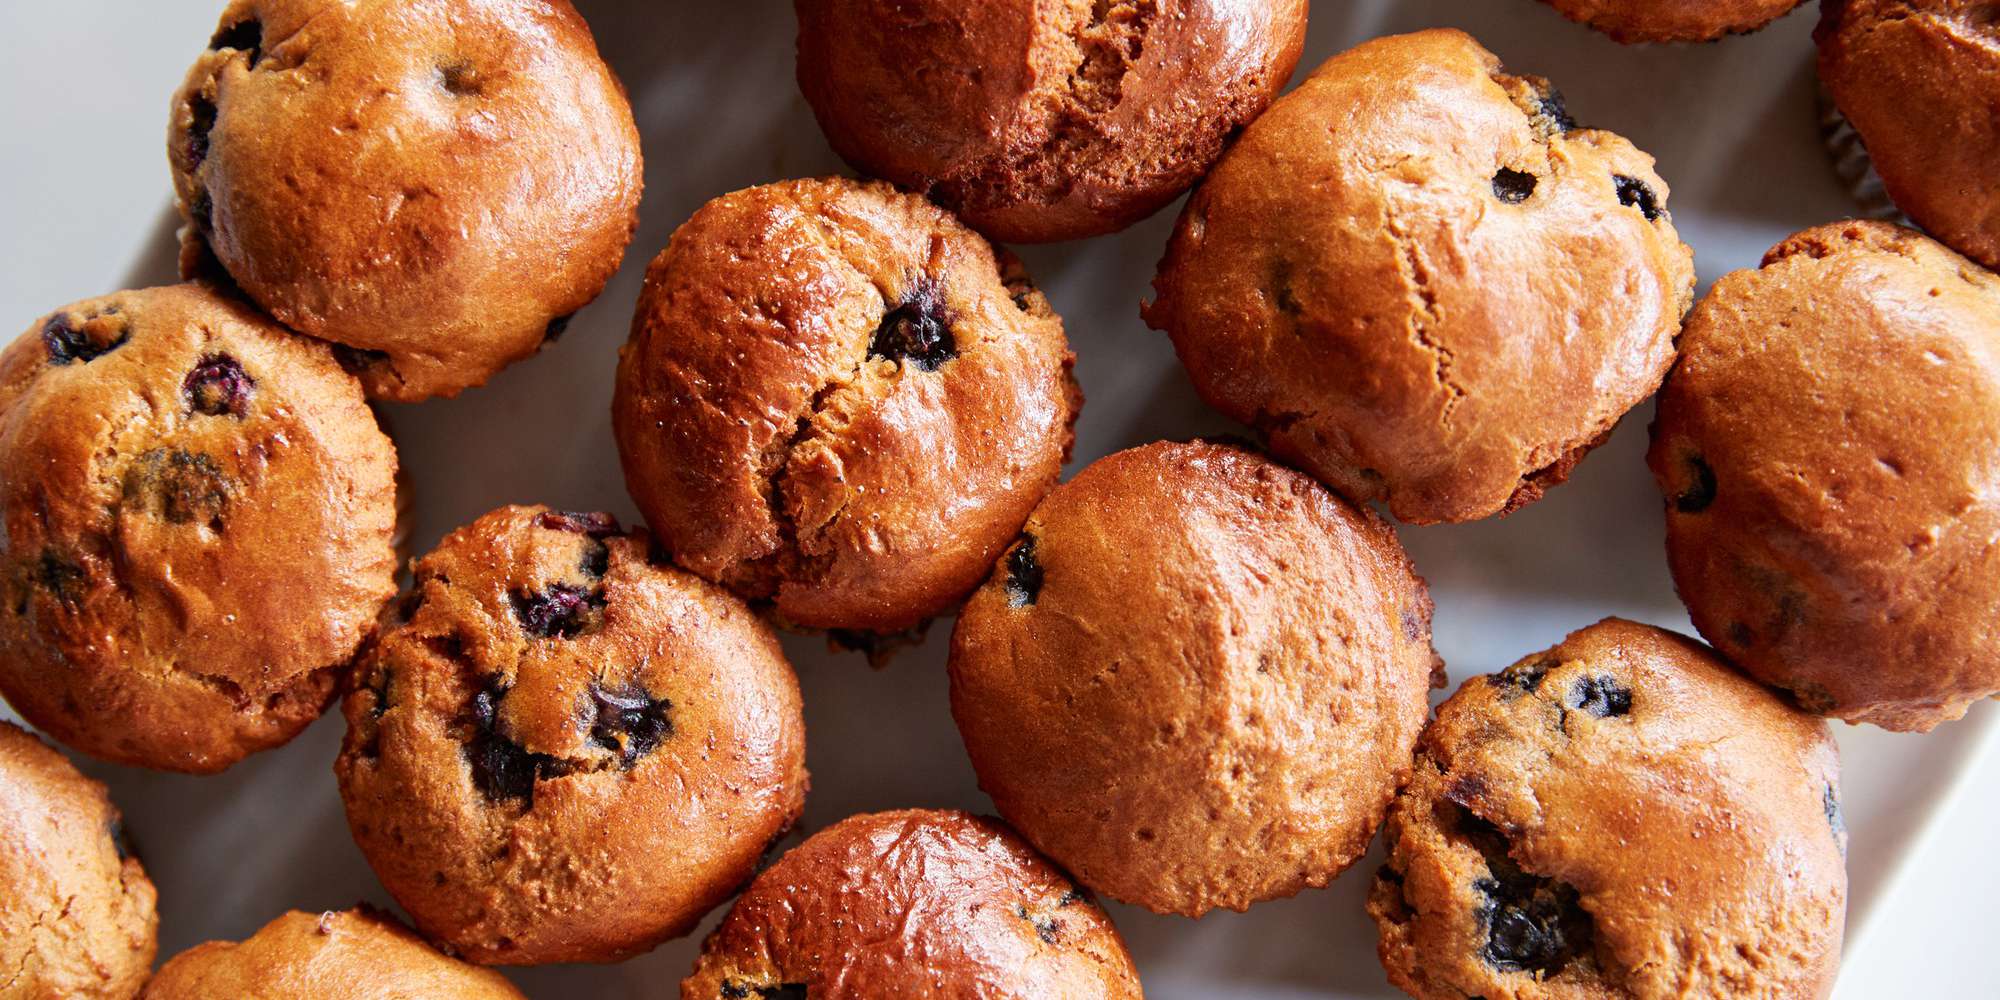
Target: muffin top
76,910
1632,21
837,400
198,512
1232,680
1416,278
1833,493
1621,816
353,955
563,752
1918,79
434,185
1041,121
913,903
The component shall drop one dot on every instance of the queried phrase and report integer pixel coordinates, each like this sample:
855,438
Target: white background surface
85,179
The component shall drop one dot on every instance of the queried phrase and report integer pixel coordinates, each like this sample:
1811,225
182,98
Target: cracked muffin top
1631,21
560,751
353,955
913,903
838,400
199,509
1918,80
1230,663
1416,278
1622,816
1041,120
76,909
1833,492
433,185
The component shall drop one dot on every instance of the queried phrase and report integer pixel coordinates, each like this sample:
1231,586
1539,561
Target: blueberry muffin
355,955
839,402
1232,680
198,509
1040,121
1832,494
76,910
1919,79
1417,279
562,752
1621,816
434,187
1631,21
914,903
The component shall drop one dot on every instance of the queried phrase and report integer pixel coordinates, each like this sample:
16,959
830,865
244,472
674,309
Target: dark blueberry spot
64,580
596,559
1524,677
736,989
1072,897
917,331
596,524
201,122
1835,819
243,36
1049,929
1513,186
1534,928
1556,110
1635,193
1700,494
1024,574
629,722
501,768
556,328
1601,696
182,487
67,342
218,386
562,611
460,79
1532,924
379,687
355,360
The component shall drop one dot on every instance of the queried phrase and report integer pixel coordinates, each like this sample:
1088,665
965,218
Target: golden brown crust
1421,283
77,917
1622,816
1919,80
198,516
435,185
914,904
563,752
1632,21
353,955
1043,120
1833,497
775,445
1230,662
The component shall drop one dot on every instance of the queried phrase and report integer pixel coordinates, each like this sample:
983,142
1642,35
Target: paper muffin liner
1853,166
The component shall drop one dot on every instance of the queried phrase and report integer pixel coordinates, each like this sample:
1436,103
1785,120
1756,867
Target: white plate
711,80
